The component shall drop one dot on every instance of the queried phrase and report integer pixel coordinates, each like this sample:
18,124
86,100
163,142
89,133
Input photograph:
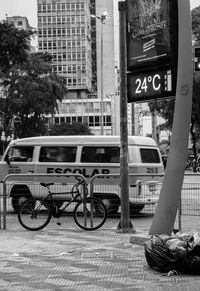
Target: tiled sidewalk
72,259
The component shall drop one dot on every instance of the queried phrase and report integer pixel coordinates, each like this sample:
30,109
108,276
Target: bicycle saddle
46,184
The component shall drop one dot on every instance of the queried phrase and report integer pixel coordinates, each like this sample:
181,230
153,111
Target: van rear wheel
111,202
136,208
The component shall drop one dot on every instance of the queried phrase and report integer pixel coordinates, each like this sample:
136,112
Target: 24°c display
147,86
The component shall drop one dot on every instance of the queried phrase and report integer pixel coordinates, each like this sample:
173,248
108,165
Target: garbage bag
158,255
180,252
190,263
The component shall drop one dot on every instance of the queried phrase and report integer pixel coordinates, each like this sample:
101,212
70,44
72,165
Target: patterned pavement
68,258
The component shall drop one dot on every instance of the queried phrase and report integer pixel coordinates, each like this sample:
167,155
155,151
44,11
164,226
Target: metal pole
125,224
102,124
166,210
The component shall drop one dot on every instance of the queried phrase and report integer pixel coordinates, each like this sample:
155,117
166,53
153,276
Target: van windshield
20,154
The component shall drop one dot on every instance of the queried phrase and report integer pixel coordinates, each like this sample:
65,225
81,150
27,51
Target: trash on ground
173,254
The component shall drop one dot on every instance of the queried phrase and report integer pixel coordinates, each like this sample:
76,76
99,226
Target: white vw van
86,155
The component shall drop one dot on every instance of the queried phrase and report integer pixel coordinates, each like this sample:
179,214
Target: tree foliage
31,91
196,23
75,128
13,45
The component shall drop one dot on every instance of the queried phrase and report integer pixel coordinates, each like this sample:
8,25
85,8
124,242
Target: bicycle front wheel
34,214
90,214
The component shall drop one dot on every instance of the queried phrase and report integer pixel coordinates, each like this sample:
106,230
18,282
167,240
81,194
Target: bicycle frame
74,194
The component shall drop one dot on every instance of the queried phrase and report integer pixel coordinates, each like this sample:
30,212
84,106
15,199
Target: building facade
67,31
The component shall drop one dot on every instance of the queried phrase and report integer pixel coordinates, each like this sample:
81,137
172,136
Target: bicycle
89,213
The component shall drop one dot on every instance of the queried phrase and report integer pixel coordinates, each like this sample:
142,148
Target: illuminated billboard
151,33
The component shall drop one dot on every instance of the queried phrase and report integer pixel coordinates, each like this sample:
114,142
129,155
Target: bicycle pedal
58,223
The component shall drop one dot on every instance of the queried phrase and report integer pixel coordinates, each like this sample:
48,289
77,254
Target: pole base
125,227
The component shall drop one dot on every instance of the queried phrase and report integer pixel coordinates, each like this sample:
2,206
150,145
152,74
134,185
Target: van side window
57,154
149,156
20,154
100,154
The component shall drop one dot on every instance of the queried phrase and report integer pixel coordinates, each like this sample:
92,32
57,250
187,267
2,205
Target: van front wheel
18,200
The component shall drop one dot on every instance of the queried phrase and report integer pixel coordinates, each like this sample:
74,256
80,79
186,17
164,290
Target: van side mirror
7,159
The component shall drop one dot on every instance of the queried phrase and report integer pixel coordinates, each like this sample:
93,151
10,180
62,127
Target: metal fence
109,192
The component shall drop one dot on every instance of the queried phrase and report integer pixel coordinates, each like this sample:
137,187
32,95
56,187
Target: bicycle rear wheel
34,214
90,214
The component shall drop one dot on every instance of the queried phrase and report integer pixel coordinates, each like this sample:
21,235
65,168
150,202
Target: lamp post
101,18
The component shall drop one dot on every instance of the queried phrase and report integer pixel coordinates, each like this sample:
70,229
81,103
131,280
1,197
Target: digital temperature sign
155,84
152,49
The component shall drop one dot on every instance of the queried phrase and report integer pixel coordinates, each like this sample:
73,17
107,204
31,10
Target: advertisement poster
150,33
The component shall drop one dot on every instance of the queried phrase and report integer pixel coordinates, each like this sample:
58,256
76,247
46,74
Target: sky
28,8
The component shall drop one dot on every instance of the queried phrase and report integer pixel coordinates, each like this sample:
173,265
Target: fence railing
189,203
15,178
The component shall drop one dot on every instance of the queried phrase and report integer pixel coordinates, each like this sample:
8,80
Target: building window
96,121
62,119
69,80
69,57
91,121
72,7
49,8
19,23
39,8
85,120
82,6
79,119
69,69
44,7
68,119
108,120
57,120
73,31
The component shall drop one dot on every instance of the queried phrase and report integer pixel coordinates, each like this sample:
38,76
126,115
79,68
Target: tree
13,45
75,128
196,23
31,91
